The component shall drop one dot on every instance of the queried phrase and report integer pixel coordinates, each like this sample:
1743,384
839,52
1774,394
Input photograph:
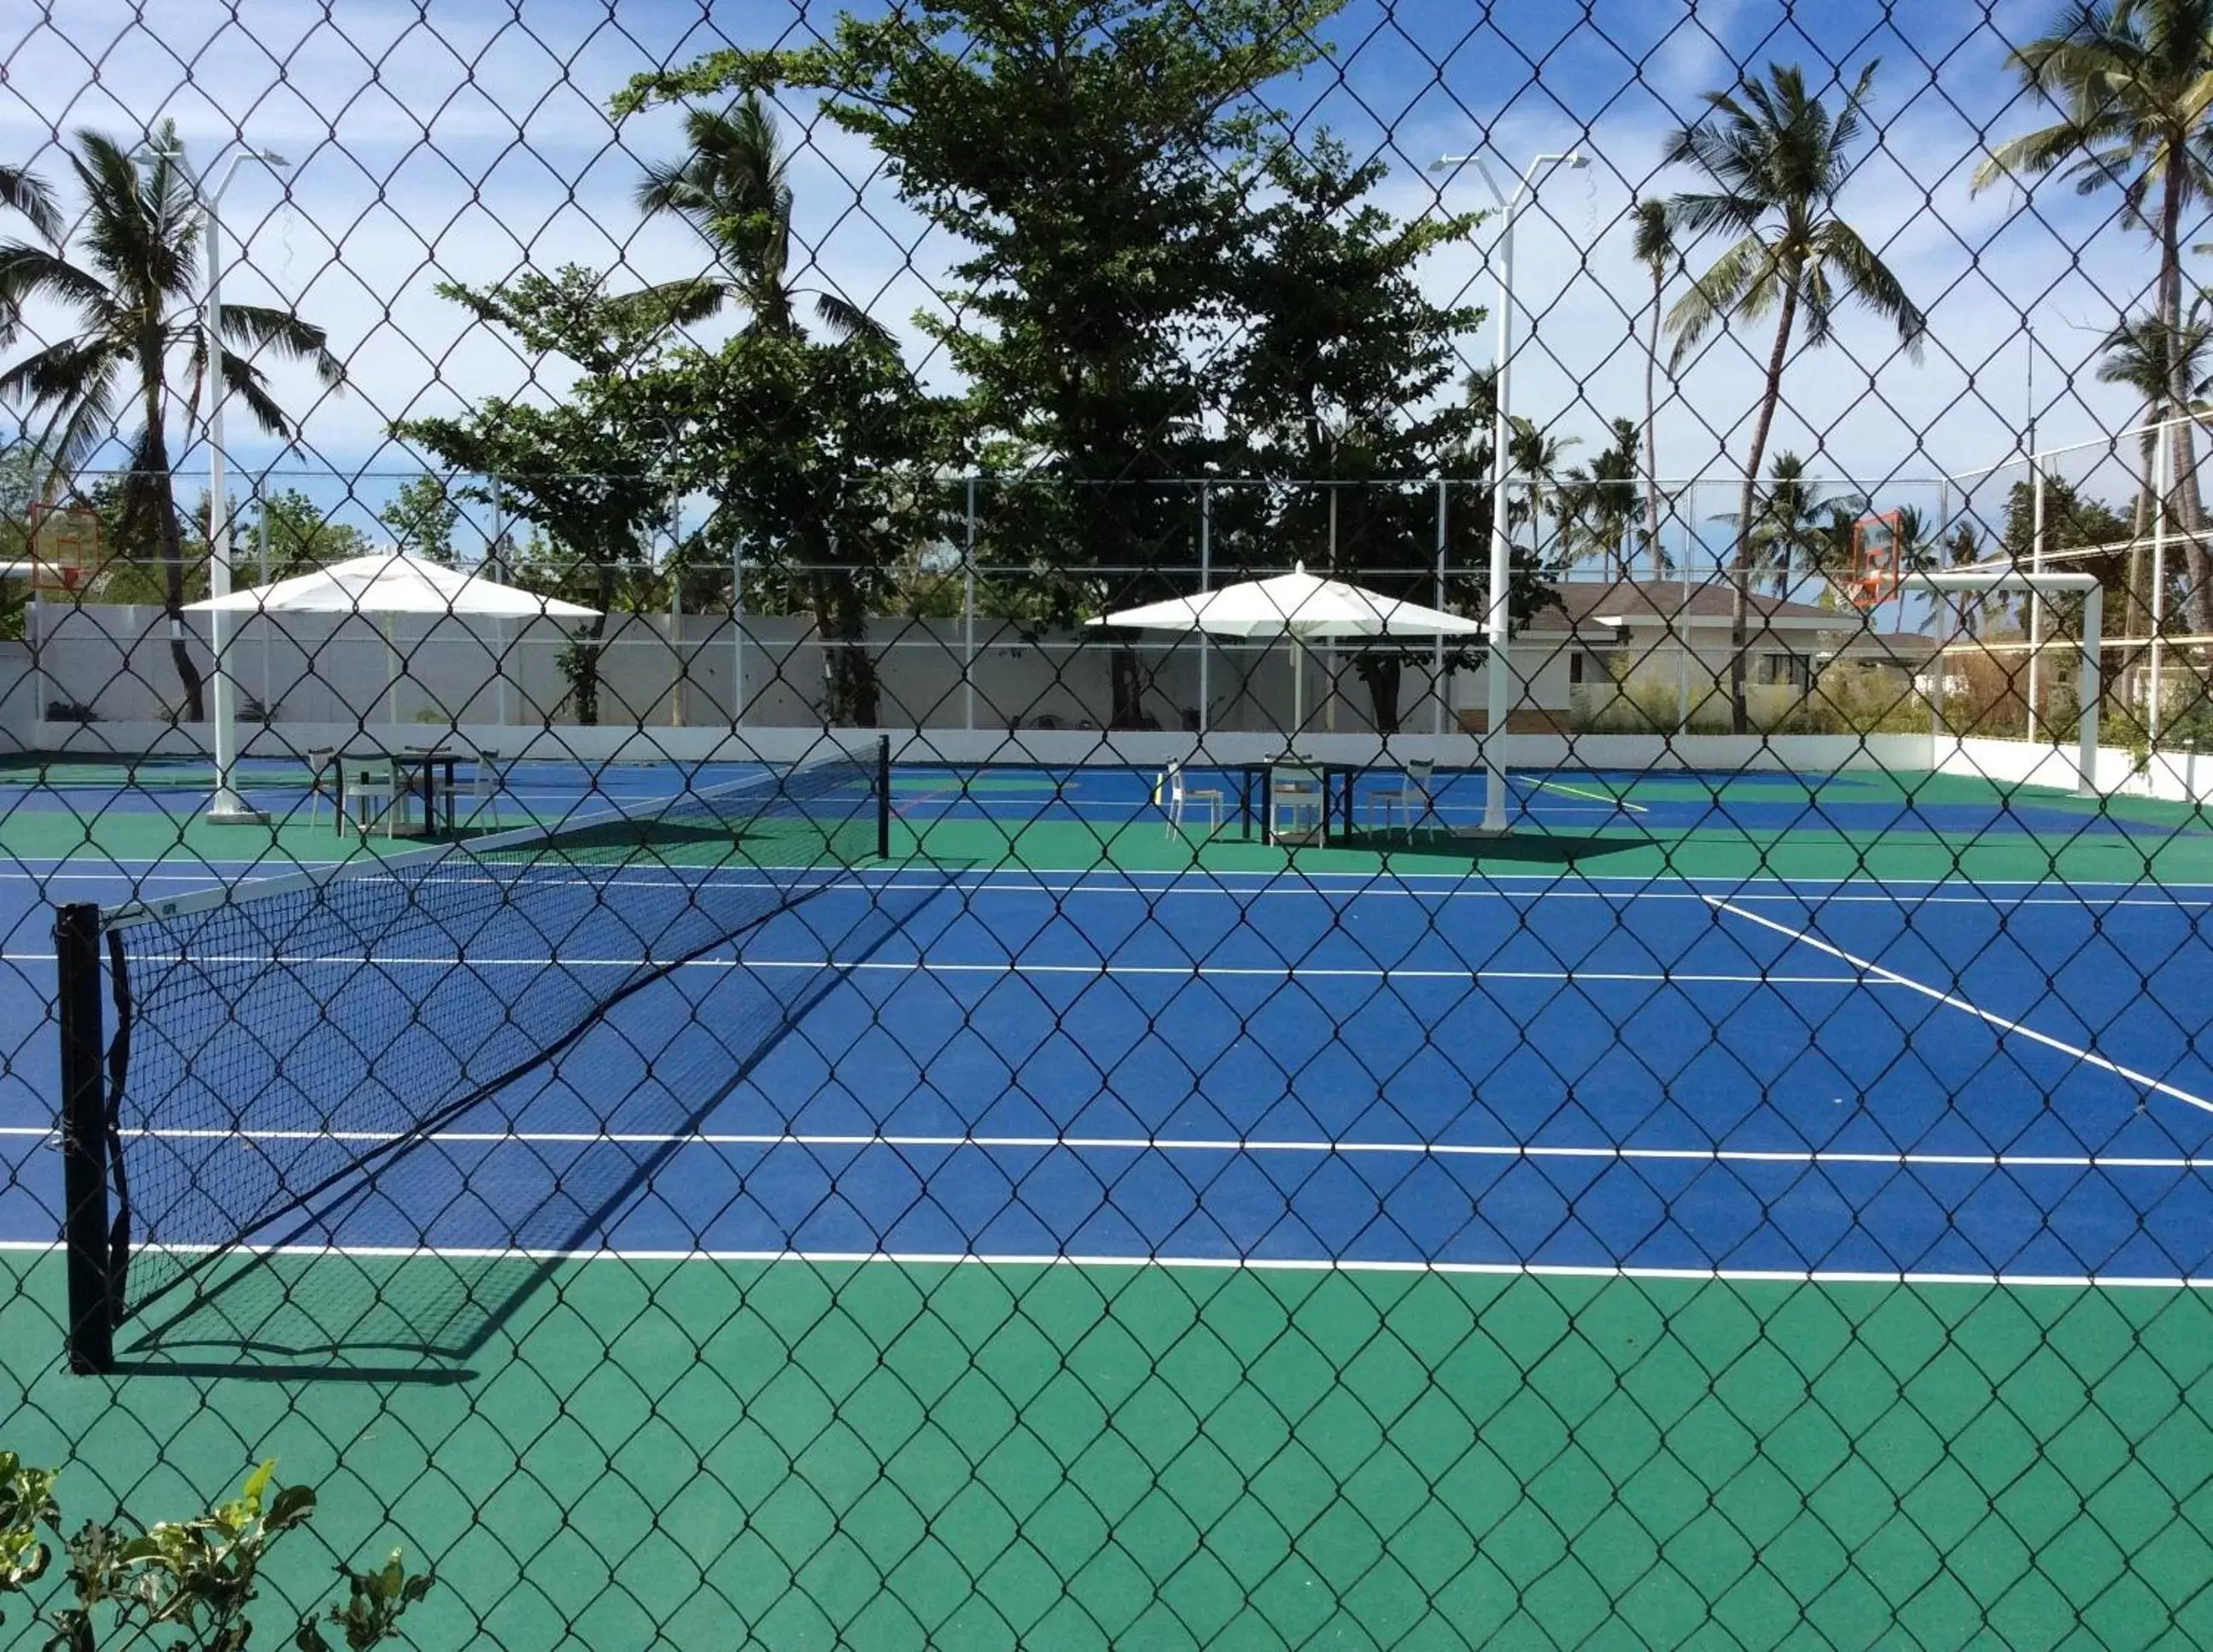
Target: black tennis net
275,1041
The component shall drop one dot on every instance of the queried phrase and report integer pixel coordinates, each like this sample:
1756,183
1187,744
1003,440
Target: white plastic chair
487,780
1175,793
1295,803
1410,799
322,774
379,783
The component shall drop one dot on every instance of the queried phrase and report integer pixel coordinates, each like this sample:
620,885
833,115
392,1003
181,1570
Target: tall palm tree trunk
1741,596
158,491
2135,605
1651,414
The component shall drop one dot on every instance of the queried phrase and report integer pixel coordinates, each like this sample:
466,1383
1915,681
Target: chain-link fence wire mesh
821,1096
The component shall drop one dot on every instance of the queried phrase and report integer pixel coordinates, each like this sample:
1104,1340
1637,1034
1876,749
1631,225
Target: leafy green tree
2133,83
592,472
423,517
1777,160
730,187
809,452
1332,389
1092,158
1655,249
301,535
134,296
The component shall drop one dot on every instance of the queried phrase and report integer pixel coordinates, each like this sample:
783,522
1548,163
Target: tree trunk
852,696
2136,604
161,499
1129,690
1741,596
1651,415
2189,503
1384,674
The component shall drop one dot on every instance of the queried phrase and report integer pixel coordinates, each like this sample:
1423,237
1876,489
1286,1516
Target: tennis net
274,1042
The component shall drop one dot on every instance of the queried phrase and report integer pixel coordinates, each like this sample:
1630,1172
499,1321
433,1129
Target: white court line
997,967
1209,1264
1222,886
1573,791
1210,880
2143,1081
1176,1144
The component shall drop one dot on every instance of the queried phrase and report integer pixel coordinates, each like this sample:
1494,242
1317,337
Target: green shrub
183,1586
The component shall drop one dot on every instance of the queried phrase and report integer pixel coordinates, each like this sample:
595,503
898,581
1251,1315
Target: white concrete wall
116,661
2174,777
19,705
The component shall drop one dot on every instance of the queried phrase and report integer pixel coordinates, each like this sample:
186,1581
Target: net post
883,797
83,1138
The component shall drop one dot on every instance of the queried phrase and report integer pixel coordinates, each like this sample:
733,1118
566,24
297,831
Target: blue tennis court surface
1851,1078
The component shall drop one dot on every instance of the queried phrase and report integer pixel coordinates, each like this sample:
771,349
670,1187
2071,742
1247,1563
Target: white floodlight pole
1499,628
226,808
2157,603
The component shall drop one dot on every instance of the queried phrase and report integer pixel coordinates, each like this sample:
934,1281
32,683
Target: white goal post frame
1953,581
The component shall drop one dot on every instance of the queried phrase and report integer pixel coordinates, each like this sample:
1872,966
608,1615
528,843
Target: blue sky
467,141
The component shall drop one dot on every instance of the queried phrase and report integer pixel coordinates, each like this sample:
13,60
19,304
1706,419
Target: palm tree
730,188
1532,454
1599,506
1778,159
2133,82
1795,532
2143,356
136,295
1655,250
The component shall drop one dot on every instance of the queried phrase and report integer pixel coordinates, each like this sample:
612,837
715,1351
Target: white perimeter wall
116,661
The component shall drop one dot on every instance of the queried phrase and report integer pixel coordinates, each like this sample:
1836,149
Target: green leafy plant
183,1585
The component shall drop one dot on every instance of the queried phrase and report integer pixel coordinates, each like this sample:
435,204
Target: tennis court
1628,1228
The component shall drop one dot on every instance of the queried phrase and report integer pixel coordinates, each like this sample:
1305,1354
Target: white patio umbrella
378,586
1297,605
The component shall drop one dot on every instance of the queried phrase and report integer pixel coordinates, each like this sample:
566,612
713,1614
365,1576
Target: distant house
1671,637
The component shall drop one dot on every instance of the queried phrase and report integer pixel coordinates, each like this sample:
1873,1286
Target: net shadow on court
392,1305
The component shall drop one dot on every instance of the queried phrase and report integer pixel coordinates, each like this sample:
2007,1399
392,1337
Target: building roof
1601,610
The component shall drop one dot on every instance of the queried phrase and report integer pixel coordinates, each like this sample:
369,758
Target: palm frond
1871,280
32,196
1725,289
286,335
848,320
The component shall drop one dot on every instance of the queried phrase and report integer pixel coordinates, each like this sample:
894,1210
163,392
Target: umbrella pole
1298,690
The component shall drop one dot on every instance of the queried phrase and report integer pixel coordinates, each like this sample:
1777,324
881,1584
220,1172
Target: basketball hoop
1876,573
65,548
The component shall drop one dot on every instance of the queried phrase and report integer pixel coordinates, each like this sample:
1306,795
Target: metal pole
2093,614
738,631
261,542
226,806
1437,643
1329,645
1498,630
2035,596
968,616
93,1290
2162,463
676,611
1205,584
511,641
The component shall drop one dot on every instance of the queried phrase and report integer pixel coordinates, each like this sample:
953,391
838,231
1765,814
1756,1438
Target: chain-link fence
1327,823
